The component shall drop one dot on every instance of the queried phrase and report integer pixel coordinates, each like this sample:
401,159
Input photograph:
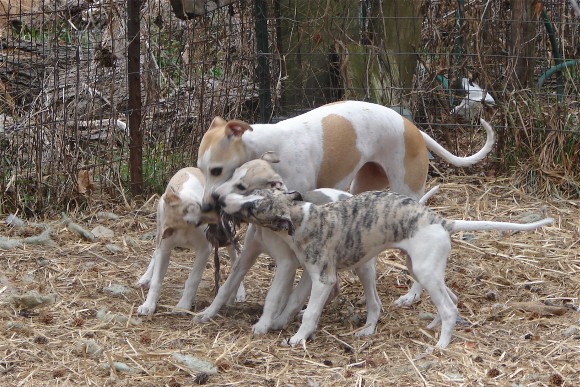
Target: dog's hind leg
414,294
145,279
437,320
368,277
428,251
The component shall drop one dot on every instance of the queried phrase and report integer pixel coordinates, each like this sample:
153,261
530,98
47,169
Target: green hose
555,69
556,53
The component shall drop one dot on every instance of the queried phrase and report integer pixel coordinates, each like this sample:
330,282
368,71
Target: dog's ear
295,195
167,232
217,122
171,196
271,157
235,128
284,223
277,183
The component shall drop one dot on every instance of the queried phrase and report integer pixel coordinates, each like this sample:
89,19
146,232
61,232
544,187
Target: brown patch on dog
179,179
370,177
214,134
340,154
416,159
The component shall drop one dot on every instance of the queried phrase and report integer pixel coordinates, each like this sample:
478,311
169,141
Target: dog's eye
241,187
216,171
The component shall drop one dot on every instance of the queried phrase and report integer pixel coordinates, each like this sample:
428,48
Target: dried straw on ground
517,292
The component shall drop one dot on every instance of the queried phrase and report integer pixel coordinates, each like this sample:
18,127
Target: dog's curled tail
462,161
475,225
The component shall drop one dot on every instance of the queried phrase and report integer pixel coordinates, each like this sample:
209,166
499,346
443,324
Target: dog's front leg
241,293
277,296
368,278
252,248
160,262
295,302
322,285
145,279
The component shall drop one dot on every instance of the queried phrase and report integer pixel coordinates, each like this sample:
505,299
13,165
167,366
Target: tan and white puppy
180,223
351,145
343,234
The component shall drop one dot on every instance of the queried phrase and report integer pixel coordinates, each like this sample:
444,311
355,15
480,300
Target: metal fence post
134,104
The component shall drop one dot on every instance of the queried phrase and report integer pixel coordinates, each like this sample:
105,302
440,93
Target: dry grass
503,345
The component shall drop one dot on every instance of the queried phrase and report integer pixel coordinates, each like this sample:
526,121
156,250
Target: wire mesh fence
64,89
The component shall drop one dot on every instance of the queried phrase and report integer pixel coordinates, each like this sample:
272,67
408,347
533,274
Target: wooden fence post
134,103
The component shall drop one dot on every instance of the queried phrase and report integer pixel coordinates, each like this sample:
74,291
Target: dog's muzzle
209,206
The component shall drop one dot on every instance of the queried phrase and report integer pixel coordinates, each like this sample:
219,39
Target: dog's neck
255,143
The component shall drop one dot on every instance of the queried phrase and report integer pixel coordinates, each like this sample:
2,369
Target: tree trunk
307,33
522,42
381,67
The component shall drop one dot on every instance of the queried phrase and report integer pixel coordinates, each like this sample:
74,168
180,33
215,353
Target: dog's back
388,218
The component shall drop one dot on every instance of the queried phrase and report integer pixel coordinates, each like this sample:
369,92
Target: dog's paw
201,318
260,328
143,283
146,310
181,309
407,299
287,343
241,294
294,341
366,331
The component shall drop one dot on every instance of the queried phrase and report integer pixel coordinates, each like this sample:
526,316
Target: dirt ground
518,297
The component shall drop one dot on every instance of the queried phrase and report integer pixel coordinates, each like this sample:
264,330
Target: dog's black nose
206,207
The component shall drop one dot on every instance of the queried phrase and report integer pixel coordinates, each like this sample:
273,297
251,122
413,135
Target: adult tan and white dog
180,223
351,145
343,234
